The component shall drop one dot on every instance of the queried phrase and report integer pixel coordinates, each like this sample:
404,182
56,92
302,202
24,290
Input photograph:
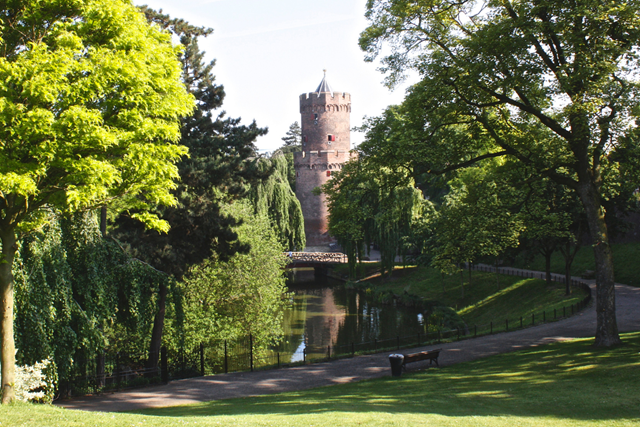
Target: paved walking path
243,384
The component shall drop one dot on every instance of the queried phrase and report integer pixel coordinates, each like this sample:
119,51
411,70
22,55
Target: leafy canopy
90,101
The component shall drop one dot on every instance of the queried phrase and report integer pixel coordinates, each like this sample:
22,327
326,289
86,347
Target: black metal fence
122,370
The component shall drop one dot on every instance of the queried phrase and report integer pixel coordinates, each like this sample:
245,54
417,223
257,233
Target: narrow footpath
244,384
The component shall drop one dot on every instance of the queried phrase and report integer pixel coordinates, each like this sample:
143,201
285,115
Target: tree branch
467,163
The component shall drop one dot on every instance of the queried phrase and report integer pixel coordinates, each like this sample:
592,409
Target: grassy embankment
563,384
485,298
625,261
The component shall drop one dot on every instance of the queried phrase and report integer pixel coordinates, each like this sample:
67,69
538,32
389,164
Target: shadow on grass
567,380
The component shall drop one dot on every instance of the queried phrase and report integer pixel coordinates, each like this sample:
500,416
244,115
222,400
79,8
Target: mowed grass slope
430,284
563,384
488,298
524,298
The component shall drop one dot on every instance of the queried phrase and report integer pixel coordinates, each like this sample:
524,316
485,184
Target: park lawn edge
569,383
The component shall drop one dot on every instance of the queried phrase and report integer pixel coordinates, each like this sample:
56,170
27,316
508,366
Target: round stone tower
325,147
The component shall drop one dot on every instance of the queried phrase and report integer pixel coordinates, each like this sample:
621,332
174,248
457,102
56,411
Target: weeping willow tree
371,204
274,198
78,295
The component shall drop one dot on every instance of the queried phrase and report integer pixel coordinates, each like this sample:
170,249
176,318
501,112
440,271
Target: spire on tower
324,85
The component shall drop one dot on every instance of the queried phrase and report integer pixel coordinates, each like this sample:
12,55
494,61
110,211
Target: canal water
324,315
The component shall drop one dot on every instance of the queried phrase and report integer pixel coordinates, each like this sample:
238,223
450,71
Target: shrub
36,383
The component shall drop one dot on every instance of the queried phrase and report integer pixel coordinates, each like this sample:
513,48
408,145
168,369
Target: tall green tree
221,166
550,84
474,220
292,142
293,137
244,294
370,204
90,102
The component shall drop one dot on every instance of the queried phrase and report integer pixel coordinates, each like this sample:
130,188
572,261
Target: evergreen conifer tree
218,169
293,137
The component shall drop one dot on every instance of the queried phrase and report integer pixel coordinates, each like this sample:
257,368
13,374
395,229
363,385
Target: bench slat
431,356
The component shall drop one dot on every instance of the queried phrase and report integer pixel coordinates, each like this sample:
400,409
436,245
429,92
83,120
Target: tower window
331,138
304,138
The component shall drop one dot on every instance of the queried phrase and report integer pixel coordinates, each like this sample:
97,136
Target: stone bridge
315,259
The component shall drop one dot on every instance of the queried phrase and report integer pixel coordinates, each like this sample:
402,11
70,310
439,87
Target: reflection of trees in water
294,321
325,313
366,320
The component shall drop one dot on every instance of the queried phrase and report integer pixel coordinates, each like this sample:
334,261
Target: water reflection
323,313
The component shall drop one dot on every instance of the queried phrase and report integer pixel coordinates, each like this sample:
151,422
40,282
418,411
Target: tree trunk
158,326
568,260
7,352
567,276
469,266
443,287
461,283
607,327
547,266
497,276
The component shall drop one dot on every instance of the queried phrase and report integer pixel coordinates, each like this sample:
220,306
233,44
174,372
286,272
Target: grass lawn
625,262
564,384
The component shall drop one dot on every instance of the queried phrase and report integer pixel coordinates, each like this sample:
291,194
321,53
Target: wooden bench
431,356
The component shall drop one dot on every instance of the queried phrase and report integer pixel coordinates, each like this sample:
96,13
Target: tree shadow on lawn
571,380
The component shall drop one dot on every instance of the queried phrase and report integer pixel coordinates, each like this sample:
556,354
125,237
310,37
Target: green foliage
292,144
548,85
90,106
369,204
274,198
475,220
90,103
293,136
230,299
77,294
220,167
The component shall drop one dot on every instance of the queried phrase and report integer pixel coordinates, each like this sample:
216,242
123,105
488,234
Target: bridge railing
317,257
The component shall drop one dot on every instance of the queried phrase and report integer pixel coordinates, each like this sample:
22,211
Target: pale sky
268,52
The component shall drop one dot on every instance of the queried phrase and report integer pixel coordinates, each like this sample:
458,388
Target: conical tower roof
324,85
